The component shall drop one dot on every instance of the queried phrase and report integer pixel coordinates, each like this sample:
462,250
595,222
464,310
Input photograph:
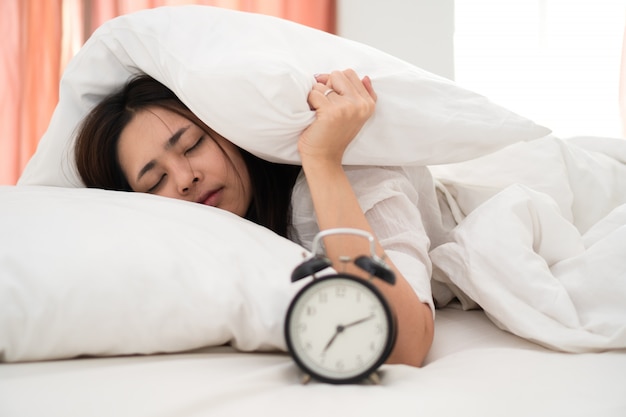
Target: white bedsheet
543,246
473,369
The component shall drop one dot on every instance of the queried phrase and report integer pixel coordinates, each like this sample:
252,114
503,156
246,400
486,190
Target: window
554,61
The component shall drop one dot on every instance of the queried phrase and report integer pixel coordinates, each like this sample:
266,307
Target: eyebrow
171,142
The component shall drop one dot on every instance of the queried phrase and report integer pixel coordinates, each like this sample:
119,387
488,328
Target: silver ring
327,92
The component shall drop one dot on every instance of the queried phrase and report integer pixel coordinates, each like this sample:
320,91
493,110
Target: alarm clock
340,328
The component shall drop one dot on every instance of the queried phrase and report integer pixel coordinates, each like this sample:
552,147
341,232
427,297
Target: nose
186,178
185,189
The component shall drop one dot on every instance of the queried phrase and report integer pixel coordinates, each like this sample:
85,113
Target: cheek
222,160
212,161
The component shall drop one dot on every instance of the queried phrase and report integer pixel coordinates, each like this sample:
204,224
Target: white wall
554,61
418,31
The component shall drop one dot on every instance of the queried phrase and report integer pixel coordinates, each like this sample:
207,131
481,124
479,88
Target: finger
352,77
362,86
329,92
322,78
316,96
338,81
347,83
367,83
323,89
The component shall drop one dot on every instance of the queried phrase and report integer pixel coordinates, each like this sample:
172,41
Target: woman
144,139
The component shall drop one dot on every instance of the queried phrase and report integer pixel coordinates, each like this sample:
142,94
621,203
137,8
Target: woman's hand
342,104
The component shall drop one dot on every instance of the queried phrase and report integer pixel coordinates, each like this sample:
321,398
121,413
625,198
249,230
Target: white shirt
401,206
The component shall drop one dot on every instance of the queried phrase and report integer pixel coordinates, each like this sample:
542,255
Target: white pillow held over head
248,76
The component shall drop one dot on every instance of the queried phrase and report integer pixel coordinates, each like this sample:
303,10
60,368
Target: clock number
339,365
323,297
340,291
311,310
302,327
359,360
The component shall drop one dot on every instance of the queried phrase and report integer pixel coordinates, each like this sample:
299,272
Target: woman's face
163,153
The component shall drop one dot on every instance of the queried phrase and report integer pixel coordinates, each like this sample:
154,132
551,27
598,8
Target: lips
212,198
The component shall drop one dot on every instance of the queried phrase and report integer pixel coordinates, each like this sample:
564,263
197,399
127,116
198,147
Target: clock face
339,329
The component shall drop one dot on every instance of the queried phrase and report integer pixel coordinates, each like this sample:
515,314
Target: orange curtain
39,37
29,76
319,14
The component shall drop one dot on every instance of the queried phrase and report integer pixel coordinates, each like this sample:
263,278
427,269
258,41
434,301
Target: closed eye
195,145
156,186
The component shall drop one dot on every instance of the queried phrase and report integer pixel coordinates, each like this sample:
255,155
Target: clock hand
354,323
340,328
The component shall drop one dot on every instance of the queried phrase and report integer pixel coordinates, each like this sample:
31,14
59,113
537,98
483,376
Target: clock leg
374,378
305,379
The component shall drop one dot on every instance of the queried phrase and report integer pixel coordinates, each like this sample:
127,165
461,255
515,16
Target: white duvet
543,247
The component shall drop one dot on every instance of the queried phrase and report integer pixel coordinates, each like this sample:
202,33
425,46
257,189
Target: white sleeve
397,223
391,203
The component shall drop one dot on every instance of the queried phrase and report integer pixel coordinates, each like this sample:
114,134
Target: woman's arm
339,117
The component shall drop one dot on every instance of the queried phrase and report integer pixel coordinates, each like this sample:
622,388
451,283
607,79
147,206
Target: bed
473,369
131,304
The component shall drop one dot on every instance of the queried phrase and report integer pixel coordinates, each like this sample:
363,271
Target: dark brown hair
97,161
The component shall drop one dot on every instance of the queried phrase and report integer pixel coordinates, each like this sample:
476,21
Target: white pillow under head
94,272
248,76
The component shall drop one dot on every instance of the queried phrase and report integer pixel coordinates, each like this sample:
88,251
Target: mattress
473,369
